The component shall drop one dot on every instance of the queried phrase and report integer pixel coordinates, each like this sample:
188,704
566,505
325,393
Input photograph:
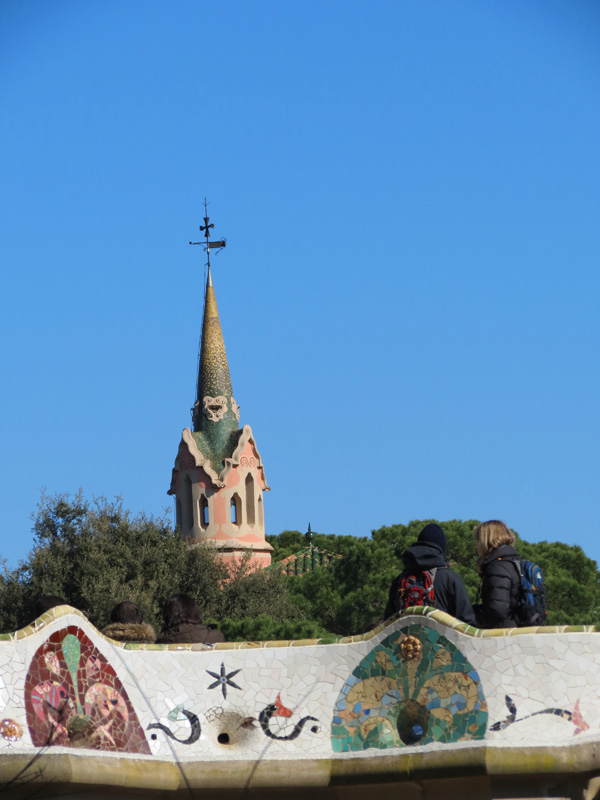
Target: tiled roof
215,414
305,560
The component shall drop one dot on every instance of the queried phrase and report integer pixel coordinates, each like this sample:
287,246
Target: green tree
349,595
265,628
96,554
286,543
252,594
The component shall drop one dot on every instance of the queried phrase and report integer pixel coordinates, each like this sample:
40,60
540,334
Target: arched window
236,509
186,511
204,518
261,519
250,500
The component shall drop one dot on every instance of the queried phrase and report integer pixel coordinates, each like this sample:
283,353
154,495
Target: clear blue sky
409,296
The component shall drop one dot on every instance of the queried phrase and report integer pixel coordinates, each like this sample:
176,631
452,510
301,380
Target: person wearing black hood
183,623
429,553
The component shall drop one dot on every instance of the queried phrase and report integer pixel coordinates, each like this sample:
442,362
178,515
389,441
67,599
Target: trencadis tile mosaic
421,681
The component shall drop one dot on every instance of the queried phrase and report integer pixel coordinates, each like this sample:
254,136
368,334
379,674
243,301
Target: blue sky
410,194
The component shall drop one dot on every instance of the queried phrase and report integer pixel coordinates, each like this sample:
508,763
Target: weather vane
208,245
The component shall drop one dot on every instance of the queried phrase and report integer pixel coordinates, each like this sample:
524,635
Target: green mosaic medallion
414,688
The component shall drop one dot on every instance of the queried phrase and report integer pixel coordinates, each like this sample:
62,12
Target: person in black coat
183,624
499,575
127,625
427,553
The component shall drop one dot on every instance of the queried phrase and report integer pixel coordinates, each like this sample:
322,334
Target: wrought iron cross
208,245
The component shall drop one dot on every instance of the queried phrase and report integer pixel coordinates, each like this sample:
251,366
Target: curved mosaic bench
419,700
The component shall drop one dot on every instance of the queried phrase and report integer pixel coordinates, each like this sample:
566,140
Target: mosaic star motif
224,679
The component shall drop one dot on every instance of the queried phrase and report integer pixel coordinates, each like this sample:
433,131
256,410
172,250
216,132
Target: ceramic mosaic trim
419,611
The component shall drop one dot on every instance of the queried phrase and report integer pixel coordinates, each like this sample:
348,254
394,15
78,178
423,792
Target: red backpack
416,589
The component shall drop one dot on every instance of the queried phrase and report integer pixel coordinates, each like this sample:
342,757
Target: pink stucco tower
218,479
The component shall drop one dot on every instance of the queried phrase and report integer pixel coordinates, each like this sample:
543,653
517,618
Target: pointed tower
218,479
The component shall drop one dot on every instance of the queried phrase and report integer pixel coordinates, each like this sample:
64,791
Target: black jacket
450,592
190,633
500,588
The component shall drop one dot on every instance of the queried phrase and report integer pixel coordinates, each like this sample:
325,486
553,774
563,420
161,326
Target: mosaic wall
422,682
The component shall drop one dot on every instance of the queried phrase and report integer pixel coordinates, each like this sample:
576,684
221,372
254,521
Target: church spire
215,413
218,479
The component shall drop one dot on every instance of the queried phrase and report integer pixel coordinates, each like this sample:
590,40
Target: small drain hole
223,738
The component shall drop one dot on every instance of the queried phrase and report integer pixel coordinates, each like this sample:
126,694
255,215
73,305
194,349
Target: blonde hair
490,535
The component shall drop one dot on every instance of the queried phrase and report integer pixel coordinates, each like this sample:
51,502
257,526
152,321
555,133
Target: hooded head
180,609
48,601
433,534
127,612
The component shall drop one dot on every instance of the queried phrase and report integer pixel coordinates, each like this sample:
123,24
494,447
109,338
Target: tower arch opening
235,506
250,501
186,511
204,512
261,517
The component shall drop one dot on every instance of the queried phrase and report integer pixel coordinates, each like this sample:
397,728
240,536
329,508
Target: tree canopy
96,554
351,593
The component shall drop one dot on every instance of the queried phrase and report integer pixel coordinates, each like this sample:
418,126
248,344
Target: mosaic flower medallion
74,698
10,730
414,688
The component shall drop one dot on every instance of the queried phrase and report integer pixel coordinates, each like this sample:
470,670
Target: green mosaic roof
214,437
217,459
304,560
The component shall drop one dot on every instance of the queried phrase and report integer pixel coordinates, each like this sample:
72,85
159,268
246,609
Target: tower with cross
218,479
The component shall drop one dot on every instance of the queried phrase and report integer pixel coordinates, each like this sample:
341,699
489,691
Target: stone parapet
424,704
